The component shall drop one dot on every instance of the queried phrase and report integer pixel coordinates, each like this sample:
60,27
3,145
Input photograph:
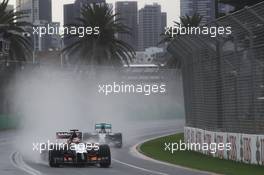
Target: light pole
34,39
36,42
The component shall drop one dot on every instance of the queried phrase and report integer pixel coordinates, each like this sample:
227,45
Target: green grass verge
8,122
155,150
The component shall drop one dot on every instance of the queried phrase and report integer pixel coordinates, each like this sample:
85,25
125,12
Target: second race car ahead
104,135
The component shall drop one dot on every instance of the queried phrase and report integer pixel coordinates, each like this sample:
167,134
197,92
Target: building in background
42,10
55,42
127,11
163,21
73,11
224,9
151,23
68,13
39,13
163,26
25,6
45,10
9,7
206,8
148,55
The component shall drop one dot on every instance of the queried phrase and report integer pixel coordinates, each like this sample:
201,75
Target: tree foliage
12,29
105,48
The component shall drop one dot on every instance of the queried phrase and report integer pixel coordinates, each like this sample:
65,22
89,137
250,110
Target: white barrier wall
245,148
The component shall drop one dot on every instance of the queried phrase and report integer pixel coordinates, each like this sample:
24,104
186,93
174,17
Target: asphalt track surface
124,161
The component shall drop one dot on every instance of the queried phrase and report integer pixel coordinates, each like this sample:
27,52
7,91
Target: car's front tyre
105,155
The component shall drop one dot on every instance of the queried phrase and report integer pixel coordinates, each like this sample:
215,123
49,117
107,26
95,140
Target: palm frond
11,29
104,48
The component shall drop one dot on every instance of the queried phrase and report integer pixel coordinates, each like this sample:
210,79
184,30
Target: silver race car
104,135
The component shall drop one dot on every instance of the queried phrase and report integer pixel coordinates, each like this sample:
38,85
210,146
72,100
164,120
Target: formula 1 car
76,152
103,134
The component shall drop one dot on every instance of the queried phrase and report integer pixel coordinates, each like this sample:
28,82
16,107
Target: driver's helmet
74,135
74,138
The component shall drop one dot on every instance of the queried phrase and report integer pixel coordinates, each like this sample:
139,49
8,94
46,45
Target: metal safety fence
223,76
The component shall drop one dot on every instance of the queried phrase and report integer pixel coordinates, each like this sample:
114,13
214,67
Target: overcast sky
172,7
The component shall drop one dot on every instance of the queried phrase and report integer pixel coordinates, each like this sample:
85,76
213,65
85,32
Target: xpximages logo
79,31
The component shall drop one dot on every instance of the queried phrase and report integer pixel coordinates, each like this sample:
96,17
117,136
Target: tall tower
127,11
36,10
150,26
39,13
69,13
163,21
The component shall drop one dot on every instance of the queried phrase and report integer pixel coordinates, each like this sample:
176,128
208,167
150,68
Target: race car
74,151
104,135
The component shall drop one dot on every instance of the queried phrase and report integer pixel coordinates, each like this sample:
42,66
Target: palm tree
191,21
185,21
104,48
12,29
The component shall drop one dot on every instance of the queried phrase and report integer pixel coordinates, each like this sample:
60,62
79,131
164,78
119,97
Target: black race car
74,151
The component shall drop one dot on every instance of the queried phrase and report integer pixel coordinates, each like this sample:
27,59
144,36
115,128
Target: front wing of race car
101,157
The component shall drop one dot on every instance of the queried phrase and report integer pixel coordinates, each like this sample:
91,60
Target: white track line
17,161
139,168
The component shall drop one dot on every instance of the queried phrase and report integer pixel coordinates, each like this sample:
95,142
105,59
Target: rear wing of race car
67,135
103,126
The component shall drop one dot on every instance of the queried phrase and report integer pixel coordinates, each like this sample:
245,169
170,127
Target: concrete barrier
247,148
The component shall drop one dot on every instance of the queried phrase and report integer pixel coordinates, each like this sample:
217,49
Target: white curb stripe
18,162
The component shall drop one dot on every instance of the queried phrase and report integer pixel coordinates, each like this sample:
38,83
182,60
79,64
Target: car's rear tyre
105,154
53,154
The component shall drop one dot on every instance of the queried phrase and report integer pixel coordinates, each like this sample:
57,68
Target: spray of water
50,100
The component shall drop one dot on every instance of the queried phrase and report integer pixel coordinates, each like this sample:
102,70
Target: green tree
185,21
12,29
105,48
191,21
